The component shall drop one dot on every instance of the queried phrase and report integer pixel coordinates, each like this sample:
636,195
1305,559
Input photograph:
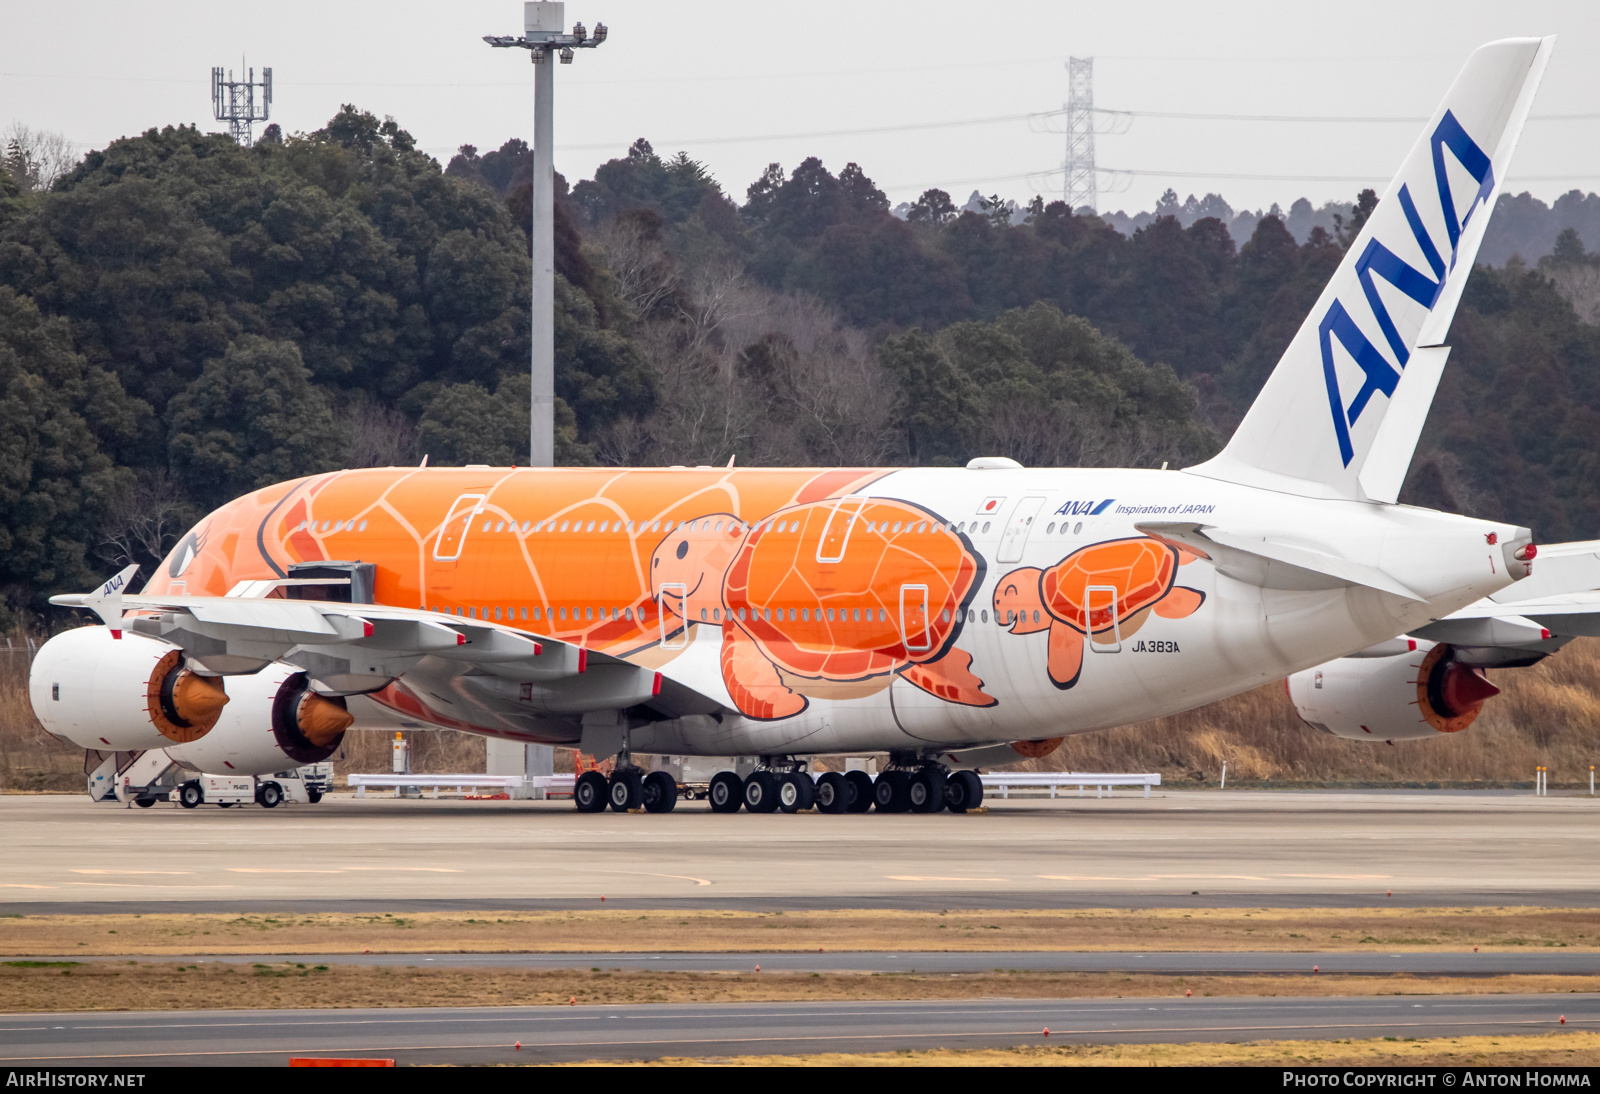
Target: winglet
107,602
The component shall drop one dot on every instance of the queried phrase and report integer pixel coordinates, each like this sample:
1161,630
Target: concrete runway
486,1035
1169,963
1202,848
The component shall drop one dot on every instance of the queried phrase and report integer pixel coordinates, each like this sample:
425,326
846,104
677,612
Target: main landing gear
908,785
628,789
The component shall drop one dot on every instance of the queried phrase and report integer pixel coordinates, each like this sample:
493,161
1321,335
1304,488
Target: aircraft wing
1557,602
353,649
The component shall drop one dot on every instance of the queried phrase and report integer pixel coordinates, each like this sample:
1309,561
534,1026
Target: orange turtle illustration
830,593
1143,573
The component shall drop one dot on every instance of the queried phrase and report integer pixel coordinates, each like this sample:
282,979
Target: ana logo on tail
1377,259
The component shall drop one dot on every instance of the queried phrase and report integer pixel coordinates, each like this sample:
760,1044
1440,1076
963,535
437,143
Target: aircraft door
914,618
1015,537
674,612
836,533
445,579
457,523
1105,629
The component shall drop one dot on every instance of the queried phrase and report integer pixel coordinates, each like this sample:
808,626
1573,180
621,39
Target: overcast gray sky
740,85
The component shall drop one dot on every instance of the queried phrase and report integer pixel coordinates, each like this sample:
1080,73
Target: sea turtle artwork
1104,591
826,599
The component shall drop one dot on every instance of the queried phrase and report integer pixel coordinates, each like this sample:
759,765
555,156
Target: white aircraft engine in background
1402,690
275,721
125,693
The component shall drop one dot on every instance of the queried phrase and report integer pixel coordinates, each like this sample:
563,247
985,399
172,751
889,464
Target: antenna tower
1079,188
234,101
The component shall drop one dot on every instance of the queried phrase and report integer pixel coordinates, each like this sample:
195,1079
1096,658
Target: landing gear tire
660,792
963,790
626,790
269,795
833,792
144,803
858,792
889,792
190,795
589,792
727,792
313,795
796,791
761,792
925,790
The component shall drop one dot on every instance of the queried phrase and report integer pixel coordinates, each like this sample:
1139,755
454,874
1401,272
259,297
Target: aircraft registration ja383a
950,617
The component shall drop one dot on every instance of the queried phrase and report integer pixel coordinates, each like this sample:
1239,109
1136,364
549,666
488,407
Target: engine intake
1449,693
1420,691
307,726
274,722
125,694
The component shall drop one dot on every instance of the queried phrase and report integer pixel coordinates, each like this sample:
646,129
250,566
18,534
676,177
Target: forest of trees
183,319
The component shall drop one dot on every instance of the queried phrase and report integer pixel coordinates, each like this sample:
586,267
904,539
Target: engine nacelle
275,721
121,694
1421,691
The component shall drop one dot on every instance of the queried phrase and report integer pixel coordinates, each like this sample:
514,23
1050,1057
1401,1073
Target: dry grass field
1172,929
1546,717
215,985
1548,1050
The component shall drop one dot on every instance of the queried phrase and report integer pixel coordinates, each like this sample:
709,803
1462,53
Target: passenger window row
558,614
335,525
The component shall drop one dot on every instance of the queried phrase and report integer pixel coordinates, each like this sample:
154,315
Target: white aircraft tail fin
1340,415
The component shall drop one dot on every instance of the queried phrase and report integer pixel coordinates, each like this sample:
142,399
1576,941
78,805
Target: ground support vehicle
301,785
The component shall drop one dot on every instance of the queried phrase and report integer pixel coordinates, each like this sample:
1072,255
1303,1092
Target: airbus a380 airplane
947,616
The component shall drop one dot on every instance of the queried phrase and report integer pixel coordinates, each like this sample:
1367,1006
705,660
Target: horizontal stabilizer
1559,568
1268,564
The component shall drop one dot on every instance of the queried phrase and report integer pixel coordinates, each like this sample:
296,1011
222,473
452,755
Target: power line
1154,173
860,132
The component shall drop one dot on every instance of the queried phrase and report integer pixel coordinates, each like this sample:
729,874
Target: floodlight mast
544,34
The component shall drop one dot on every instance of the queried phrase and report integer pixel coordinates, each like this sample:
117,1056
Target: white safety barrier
461,783
1004,782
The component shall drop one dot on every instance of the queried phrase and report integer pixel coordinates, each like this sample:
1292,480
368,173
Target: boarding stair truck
300,785
143,776
148,776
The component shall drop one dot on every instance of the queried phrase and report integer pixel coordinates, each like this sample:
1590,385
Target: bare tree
144,522
379,436
35,158
646,277
1580,285
770,378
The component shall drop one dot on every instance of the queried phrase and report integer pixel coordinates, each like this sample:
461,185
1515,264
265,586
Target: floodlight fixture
566,55
578,32
600,33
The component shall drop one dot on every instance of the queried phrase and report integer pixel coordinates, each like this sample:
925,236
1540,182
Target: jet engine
103,692
1402,690
275,721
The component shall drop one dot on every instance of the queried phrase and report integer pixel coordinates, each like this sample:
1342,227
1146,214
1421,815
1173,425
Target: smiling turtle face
696,555
1018,603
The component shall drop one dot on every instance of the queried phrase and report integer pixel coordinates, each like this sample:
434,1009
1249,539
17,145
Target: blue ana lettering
1084,508
1379,374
